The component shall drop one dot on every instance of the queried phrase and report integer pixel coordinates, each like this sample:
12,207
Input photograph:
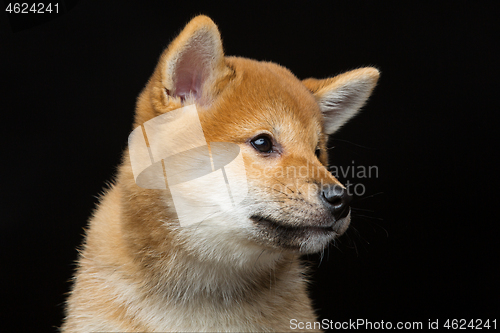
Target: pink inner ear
190,73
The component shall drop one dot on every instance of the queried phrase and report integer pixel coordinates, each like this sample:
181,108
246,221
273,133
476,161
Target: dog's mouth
281,227
303,238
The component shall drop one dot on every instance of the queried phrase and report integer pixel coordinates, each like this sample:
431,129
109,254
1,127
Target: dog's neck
183,267
186,279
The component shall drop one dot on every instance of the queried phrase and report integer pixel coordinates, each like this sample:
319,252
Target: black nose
337,199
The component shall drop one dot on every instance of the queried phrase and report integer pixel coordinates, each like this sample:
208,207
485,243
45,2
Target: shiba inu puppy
238,270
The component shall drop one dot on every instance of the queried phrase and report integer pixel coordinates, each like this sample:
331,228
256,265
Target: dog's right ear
341,97
193,63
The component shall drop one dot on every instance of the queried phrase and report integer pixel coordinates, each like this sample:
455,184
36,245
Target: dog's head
281,125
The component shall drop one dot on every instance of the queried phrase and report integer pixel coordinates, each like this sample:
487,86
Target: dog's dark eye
317,152
263,144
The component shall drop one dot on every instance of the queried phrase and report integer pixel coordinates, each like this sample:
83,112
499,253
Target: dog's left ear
341,97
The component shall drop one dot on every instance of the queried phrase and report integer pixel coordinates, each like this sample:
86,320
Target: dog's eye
317,152
263,144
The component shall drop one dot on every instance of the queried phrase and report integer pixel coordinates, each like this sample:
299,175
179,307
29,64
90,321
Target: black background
423,243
